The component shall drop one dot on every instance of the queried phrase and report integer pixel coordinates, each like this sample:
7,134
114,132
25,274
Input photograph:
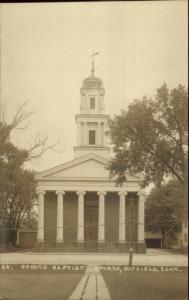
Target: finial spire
93,68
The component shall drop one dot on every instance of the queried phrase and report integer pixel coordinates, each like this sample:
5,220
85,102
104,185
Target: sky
45,54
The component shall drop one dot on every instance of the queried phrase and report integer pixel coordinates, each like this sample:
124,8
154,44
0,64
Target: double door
91,222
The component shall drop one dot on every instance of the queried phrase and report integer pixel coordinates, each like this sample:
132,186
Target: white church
80,208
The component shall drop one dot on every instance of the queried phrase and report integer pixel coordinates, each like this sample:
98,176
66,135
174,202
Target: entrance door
91,224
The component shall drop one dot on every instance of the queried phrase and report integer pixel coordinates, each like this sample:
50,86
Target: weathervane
93,55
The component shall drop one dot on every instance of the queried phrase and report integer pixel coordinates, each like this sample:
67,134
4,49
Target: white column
85,134
59,229
102,134
141,201
80,229
122,216
81,134
78,134
40,226
99,135
101,217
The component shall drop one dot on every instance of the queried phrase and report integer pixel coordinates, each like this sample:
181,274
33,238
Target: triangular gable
90,167
79,165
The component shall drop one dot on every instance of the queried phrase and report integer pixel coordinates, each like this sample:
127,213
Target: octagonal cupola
92,120
92,94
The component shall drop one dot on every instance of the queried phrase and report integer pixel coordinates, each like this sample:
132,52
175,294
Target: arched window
92,137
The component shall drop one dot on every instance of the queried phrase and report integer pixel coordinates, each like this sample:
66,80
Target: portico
99,226
80,208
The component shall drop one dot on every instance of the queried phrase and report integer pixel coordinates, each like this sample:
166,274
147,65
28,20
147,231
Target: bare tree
17,184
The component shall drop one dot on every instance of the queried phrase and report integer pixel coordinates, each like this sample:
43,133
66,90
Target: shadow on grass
35,286
147,285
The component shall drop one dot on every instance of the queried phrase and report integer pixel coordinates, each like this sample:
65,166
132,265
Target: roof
92,82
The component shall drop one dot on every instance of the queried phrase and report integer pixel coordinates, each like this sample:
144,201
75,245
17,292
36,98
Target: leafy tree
164,209
151,137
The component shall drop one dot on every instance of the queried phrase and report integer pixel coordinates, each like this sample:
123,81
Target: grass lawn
38,286
147,285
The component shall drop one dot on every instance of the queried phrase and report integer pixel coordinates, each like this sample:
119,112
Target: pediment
89,167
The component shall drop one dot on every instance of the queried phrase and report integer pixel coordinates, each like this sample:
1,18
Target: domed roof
92,82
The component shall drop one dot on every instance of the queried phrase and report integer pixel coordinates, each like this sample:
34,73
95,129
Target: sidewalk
153,257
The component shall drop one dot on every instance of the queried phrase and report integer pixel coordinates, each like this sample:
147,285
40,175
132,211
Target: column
78,134
101,217
141,201
80,229
85,134
81,134
99,134
102,134
122,216
40,225
59,229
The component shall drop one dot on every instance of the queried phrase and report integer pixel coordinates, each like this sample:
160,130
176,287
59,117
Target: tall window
92,103
92,137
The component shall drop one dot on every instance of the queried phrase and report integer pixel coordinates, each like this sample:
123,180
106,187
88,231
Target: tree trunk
13,237
163,238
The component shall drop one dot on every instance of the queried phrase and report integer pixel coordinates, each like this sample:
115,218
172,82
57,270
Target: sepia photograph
94,150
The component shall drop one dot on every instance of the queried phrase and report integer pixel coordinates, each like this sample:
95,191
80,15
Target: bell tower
92,120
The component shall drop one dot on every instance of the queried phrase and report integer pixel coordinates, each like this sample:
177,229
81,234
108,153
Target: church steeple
91,121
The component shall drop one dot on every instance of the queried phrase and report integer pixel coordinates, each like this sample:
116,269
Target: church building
80,207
